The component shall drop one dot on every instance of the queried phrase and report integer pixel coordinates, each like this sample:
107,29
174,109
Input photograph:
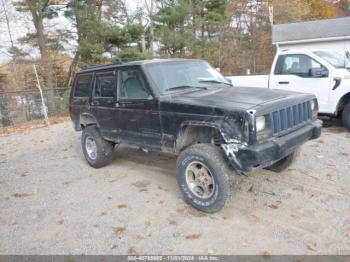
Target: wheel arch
191,133
87,119
342,103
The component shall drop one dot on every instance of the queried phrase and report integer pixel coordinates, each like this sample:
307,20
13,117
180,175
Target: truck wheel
284,163
202,173
346,116
97,151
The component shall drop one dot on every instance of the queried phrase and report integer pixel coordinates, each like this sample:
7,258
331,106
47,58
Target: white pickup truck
320,72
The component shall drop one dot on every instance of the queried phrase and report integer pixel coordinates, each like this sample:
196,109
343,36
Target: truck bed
261,81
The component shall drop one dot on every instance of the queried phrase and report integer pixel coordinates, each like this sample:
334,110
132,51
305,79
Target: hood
237,97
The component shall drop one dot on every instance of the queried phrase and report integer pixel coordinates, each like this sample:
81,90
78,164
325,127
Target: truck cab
320,72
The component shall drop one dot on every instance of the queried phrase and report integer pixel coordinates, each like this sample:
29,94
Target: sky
21,24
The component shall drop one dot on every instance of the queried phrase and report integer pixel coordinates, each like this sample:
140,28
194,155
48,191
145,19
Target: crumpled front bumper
254,157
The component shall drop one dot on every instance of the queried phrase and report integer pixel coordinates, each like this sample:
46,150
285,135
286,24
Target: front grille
289,118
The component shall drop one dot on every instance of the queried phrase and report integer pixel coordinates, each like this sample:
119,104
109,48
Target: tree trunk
72,69
8,24
37,15
151,29
74,63
36,11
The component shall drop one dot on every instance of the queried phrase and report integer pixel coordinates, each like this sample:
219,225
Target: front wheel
284,163
202,173
346,116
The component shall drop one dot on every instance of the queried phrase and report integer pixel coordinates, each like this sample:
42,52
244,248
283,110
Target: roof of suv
141,62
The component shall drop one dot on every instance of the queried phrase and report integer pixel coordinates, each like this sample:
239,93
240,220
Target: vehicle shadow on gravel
162,163
333,125
139,157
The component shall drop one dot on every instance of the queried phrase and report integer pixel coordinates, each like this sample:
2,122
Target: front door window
132,84
299,65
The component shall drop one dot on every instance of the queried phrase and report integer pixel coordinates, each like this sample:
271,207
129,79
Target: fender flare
88,119
184,125
342,103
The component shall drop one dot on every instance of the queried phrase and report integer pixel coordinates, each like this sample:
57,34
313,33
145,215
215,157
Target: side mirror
229,80
319,72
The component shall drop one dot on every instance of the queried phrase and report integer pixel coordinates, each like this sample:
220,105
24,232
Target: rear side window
82,85
105,84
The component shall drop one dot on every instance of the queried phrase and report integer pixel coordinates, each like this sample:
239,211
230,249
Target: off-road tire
213,158
346,116
104,154
284,163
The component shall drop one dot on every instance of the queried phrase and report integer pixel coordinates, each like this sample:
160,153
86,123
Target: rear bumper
259,156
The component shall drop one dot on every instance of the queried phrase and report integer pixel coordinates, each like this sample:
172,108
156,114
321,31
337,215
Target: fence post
42,97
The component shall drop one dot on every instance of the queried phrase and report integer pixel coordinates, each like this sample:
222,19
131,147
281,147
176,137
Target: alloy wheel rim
200,180
91,148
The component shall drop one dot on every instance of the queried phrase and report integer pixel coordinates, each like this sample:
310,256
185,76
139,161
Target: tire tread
209,151
346,116
104,148
284,163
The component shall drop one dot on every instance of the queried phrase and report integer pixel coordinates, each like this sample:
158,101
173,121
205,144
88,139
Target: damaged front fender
235,127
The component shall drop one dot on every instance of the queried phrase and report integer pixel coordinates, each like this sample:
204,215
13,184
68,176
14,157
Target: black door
80,98
103,103
138,111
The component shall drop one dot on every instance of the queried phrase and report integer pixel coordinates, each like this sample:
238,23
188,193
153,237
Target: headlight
260,123
313,105
314,108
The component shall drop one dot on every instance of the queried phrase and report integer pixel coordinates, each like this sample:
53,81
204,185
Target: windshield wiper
214,81
183,87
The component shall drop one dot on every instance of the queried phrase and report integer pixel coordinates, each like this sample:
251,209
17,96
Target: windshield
175,76
336,59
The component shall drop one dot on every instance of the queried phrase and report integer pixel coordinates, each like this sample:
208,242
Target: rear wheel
284,163
346,116
97,151
203,175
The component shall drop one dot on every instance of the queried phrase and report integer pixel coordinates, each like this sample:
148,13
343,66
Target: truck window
105,85
82,85
132,84
299,65
336,59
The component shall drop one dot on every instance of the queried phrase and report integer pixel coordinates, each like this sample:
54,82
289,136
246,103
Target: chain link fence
24,106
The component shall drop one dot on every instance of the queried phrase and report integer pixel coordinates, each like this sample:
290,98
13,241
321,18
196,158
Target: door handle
284,83
117,104
94,103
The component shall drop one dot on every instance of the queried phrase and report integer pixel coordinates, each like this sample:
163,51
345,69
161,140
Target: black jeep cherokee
187,108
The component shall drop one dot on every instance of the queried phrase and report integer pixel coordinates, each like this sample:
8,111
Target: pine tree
190,27
103,37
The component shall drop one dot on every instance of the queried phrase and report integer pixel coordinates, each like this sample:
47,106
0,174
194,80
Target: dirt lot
52,202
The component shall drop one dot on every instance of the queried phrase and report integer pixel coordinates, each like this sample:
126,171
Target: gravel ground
52,202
